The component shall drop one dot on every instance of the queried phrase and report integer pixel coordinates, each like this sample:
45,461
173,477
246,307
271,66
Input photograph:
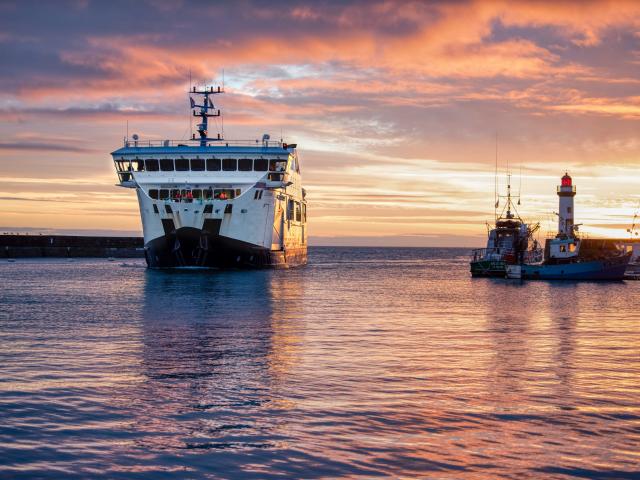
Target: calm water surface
366,363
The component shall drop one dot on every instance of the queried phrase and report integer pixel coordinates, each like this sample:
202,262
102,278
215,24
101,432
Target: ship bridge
139,163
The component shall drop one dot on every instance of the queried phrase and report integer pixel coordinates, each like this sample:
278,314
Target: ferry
212,203
510,242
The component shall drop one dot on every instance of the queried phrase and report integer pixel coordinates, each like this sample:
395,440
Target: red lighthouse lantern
566,180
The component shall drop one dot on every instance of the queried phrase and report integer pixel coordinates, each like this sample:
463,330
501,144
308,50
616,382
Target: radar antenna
204,111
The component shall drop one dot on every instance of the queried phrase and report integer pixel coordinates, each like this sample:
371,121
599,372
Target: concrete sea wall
23,246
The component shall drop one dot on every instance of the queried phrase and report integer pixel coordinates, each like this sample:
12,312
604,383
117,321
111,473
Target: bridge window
197,194
229,164
304,212
153,193
182,165
245,165
164,194
277,165
166,164
197,164
138,165
122,165
175,195
298,212
260,164
208,194
213,164
151,165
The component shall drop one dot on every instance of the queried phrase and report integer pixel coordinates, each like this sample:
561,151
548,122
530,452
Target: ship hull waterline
191,247
488,268
595,270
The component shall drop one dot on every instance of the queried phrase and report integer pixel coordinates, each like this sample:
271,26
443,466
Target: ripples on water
368,362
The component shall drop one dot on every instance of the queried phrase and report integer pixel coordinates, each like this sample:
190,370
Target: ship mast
205,111
509,204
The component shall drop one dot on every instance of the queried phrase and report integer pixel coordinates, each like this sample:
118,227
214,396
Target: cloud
395,110
43,147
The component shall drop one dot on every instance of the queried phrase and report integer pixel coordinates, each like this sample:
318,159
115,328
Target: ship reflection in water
367,362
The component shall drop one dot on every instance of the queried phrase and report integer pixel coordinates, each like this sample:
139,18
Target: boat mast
509,214
202,111
496,200
509,211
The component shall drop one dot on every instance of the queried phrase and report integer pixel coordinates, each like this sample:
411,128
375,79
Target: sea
366,363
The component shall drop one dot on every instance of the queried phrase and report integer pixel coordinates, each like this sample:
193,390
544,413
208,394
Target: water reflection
287,309
563,310
215,347
370,362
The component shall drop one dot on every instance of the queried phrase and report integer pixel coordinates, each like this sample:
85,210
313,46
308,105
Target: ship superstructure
209,202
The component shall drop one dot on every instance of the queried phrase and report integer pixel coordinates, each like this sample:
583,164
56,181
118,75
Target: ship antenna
508,194
495,184
520,186
190,117
205,111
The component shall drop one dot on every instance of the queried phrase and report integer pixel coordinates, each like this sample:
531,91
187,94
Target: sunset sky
395,107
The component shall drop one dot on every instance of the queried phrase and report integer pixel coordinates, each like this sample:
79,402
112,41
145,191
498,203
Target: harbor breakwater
25,246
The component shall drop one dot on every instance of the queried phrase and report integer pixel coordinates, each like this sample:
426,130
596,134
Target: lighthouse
566,192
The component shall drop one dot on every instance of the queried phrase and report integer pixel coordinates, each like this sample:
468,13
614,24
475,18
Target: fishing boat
568,257
509,242
214,203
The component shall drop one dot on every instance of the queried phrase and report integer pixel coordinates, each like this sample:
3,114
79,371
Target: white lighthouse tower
566,192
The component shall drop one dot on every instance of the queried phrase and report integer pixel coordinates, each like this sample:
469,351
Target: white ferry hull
190,247
239,233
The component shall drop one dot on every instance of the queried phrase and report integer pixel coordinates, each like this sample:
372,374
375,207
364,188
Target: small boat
565,262
511,242
568,257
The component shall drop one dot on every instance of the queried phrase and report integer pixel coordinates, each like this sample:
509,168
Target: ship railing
506,254
196,143
533,256
490,253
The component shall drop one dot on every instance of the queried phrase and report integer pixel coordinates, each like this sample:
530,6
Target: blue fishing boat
574,266
568,257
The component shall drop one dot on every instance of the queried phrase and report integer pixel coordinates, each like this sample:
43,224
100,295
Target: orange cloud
395,110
